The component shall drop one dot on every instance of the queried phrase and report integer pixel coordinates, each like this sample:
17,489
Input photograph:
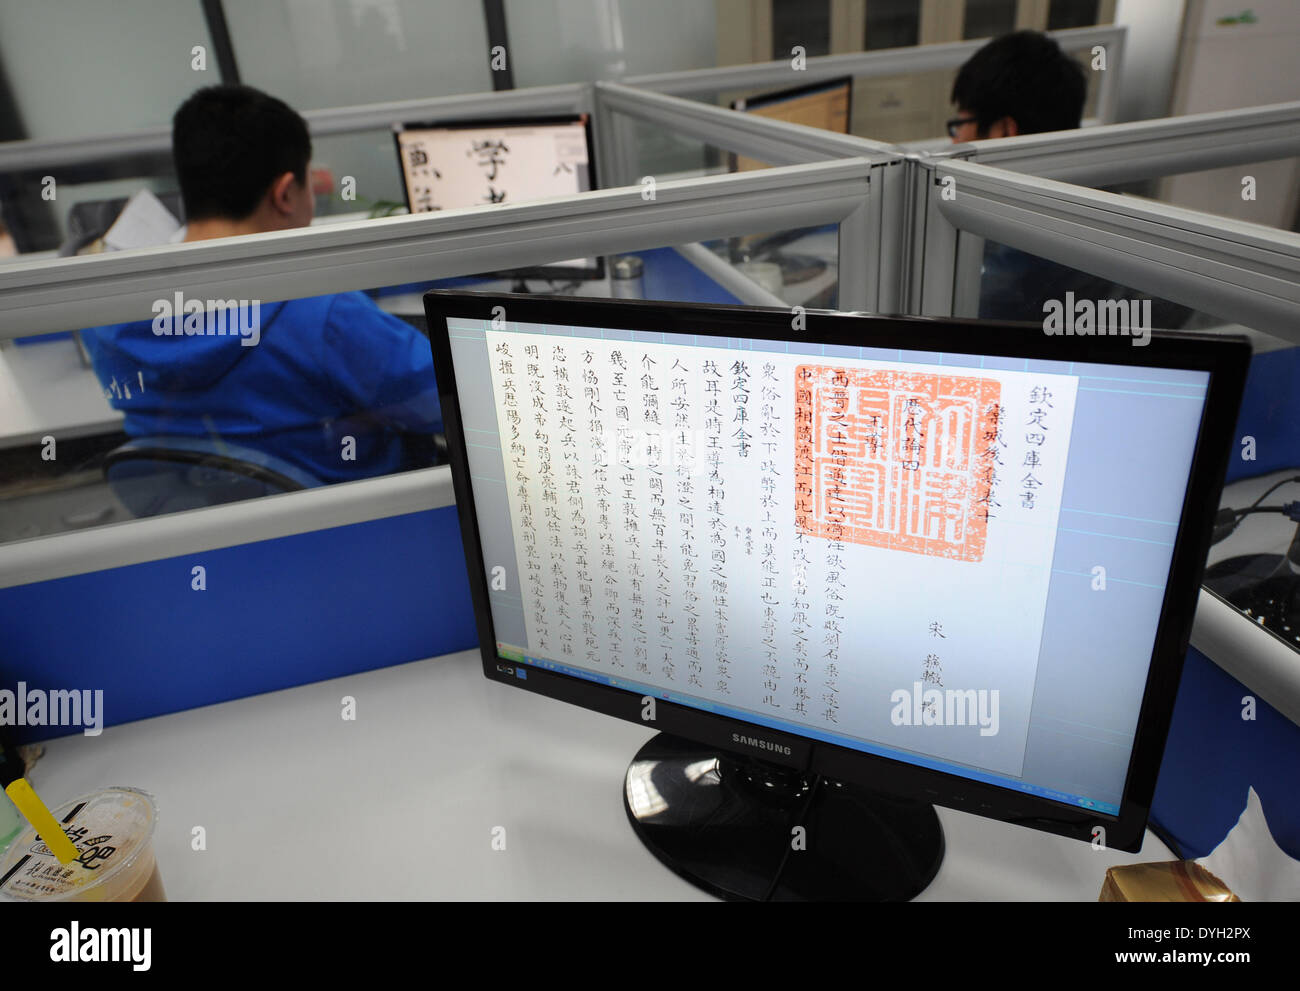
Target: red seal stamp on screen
901,460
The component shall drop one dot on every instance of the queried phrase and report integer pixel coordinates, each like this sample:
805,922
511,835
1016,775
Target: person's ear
1005,128
283,194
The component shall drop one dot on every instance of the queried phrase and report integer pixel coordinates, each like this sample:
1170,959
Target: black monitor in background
850,569
457,164
828,105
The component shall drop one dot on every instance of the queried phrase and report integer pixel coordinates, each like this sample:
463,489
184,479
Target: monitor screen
454,165
824,105
948,545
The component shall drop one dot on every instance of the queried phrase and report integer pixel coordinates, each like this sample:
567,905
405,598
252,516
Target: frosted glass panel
81,67
567,41
338,53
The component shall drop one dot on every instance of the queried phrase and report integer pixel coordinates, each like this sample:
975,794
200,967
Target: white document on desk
143,223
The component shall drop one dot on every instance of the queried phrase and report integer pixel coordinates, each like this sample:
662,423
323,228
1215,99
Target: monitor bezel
549,273
1224,357
747,104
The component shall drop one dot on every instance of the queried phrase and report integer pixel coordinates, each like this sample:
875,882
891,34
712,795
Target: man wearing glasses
1022,83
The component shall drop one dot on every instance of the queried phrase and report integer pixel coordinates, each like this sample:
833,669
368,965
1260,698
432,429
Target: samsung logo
751,741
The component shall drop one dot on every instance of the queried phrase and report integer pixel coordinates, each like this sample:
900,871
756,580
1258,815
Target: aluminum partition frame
40,297
884,62
46,296
1115,153
1093,157
1256,657
118,545
50,154
1210,262
1245,273
861,236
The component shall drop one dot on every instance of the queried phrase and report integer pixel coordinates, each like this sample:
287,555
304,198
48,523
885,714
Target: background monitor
827,105
896,562
449,166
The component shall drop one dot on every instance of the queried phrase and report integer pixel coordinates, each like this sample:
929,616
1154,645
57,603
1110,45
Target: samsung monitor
850,567
451,165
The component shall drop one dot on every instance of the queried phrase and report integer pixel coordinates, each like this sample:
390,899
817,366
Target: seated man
1023,83
331,384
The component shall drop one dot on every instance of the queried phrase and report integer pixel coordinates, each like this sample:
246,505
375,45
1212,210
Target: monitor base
747,830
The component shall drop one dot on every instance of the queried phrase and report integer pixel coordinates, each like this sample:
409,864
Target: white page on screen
447,169
800,537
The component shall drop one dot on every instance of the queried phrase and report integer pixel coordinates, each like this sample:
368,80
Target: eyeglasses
957,122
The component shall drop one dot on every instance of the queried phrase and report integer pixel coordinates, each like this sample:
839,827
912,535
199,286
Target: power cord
1227,520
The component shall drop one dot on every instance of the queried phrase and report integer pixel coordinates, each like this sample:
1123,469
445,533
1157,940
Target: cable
799,818
1273,489
1166,837
1227,520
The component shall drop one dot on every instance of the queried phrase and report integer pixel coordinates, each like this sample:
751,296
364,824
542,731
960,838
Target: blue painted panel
1213,756
276,613
669,276
1268,413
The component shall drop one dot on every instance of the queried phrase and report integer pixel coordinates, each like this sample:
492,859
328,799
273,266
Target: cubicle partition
309,585
1035,195
357,575
707,84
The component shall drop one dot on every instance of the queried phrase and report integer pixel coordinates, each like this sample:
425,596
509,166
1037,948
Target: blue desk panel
275,614
1213,756
1269,414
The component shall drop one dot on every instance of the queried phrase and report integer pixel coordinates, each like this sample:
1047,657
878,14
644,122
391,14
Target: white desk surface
401,803
45,389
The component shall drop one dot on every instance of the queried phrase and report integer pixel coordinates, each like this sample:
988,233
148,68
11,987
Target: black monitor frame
544,272
745,104
1225,358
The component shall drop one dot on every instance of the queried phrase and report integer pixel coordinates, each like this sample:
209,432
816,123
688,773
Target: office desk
402,802
45,389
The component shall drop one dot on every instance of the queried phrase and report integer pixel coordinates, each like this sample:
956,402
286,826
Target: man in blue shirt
331,384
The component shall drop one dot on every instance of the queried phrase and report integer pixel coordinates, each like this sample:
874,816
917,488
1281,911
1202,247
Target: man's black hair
1025,76
229,144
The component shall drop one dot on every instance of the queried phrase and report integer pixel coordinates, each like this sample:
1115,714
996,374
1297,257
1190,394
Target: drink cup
113,831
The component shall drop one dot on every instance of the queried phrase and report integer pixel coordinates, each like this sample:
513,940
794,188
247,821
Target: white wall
1227,66
337,53
89,67
1150,56
565,41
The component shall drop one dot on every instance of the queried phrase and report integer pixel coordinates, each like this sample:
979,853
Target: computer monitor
451,165
827,105
850,567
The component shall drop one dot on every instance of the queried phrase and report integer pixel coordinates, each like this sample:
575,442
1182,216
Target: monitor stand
731,825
